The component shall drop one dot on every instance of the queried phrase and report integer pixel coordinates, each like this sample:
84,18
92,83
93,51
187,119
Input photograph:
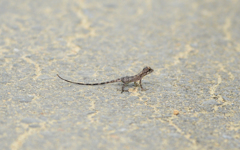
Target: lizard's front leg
140,82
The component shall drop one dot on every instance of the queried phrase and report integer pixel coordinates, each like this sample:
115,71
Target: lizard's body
125,80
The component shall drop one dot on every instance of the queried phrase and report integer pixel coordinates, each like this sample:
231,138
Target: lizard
125,80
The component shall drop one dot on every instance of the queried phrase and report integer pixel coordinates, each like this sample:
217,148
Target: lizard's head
147,70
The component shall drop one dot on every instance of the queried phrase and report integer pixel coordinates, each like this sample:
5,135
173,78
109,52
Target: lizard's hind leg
123,88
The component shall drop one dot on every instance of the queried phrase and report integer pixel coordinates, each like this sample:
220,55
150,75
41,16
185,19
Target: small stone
175,112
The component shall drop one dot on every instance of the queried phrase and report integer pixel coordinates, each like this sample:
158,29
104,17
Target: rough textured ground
193,46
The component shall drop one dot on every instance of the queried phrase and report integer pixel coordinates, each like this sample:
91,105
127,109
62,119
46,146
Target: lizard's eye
147,70
150,70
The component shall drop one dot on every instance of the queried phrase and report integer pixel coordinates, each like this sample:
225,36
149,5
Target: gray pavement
193,46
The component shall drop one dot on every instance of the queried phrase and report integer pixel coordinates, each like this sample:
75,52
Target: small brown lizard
146,70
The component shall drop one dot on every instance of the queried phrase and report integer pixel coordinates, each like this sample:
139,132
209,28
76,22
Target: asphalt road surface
193,47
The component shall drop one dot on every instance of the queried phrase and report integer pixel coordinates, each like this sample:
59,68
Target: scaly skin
125,80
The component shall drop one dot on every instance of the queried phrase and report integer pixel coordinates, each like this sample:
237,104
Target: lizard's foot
144,89
124,91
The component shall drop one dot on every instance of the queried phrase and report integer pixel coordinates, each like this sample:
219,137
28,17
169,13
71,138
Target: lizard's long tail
117,80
